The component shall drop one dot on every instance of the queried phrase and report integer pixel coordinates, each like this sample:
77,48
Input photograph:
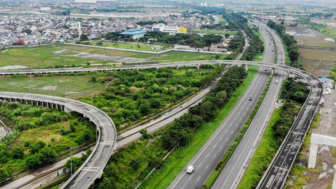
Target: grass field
206,31
317,41
51,56
175,56
254,171
130,46
178,160
41,57
318,55
77,86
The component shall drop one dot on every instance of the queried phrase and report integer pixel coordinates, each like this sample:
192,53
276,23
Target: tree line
193,40
290,42
294,94
256,45
179,134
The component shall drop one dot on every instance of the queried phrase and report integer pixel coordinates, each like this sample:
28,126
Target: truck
190,169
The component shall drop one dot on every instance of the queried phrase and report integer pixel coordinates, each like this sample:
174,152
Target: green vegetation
179,158
59,56
290,43
192,40
150,151
294,94
130,46
256,44
131,95
260,56
39,136
43,56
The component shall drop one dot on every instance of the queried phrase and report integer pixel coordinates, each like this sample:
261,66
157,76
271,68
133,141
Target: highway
129,136
206,160
92,172
236,166
194,63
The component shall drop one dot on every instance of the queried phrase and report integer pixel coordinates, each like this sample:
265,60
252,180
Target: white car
190,169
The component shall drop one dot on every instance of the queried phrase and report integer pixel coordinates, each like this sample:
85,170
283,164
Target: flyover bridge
93,167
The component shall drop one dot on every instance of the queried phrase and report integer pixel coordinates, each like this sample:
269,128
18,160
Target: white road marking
207,167
227,139
221,147
220,137
207,155
215,146
198,178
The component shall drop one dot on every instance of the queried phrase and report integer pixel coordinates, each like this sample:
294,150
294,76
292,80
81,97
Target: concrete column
334,182
312,155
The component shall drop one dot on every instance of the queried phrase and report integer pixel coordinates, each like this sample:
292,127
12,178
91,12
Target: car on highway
250,99
190,169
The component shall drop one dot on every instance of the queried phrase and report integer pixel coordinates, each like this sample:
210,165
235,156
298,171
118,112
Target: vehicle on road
277,81
190,169
250,99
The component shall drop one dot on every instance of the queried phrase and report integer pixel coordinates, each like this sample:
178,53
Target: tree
37,147
32,161
145,135
47,154
145,108
221,98
84,37
156,162
74,163
93,79
17,153
4,175
135,164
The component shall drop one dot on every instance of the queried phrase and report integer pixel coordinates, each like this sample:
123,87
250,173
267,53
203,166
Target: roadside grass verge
238,138
179,159
262,156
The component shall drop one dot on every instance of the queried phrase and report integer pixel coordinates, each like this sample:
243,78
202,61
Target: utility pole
71,159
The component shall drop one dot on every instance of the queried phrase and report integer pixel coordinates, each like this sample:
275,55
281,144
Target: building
172,30
45,9
134,33
183,30
85,1
327,83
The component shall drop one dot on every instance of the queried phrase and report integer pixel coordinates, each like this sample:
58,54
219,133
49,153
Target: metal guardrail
288,151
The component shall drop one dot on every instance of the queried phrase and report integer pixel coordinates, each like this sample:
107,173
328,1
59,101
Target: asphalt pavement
236,166
206,160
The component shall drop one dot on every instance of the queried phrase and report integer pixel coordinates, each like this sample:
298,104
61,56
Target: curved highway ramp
93,167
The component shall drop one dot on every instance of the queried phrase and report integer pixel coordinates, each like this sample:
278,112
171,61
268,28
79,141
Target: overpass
93,167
